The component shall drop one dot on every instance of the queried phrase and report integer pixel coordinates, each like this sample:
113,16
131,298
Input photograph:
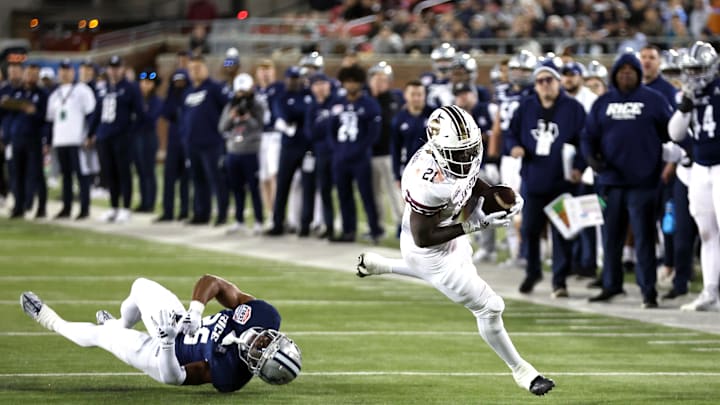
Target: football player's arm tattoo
197,372
225,292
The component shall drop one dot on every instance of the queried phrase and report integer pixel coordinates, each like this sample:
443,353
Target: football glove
478,221
165,326
193,318
517,207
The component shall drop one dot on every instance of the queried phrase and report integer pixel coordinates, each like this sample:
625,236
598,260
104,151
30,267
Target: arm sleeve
170,370
579,162
678,125
224,123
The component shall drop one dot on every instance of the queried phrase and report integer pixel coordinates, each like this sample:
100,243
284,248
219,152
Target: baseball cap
180,75
572,67
546,68
461,87
47,73
319,77
293,72
65,63
115,60
242,82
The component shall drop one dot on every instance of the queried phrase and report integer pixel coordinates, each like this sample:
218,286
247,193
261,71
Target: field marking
444,333
705,349
683,342
409,373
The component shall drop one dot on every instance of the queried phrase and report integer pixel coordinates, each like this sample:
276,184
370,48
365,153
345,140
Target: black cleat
672,294
605,296
361,269
528,284
541,385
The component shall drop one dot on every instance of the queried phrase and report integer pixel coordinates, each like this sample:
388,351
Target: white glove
166,327
672,152
193,318
478,221
517,207
492,173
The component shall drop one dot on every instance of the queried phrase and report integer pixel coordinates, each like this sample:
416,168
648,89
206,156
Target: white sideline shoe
109,215
123,216
703,302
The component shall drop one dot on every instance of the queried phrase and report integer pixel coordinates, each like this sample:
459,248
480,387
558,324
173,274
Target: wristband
196,306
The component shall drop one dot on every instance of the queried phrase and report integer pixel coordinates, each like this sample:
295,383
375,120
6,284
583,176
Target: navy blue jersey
481,114
542,133
269,95
172,111
291,107
152,109
705,139
7,115
24,127
317,125
408,135
355,128
202,106
664,87
390,102
627,130
229,372
119,109
506,109
500,91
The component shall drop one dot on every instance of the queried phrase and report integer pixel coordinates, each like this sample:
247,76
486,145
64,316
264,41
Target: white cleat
37,310
109,215
123,216
704,302
370,264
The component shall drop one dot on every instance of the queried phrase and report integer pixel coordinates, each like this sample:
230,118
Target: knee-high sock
494,334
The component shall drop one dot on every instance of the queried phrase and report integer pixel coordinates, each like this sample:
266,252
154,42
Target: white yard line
306,374
446,333
683,342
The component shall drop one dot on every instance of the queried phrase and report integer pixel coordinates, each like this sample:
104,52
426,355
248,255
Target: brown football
498,198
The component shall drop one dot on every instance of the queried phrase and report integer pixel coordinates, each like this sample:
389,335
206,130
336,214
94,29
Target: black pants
4,187
242,171
29,176
176,169
114,154
69,159
291,160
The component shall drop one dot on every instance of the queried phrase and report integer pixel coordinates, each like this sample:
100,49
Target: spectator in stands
69,109
118,112
358,8
699,18
386,41
317,129
29,104
540,127
241,124
390,100
198,40
176,167
628,171
201,10
356,126
146,141
291,108
203,103
267,90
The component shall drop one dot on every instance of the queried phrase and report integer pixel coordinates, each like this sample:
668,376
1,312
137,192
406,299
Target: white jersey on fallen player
428,190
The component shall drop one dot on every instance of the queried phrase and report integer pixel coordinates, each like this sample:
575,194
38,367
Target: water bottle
668,219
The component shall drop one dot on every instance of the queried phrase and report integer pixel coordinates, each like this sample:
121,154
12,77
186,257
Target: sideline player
226,349
699,110
436,185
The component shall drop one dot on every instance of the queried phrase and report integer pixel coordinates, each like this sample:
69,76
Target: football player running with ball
438,184
181,347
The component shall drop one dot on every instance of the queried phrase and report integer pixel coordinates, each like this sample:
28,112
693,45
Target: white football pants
132,347
704,204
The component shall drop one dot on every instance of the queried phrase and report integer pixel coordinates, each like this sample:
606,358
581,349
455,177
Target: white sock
494,334
129,313
628,254
710,264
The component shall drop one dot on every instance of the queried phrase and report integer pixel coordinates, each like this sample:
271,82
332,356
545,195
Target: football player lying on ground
181,348
440,182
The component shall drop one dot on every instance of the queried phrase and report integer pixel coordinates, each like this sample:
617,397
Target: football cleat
103,316
362,271
704,302
37,310
541,385
31,304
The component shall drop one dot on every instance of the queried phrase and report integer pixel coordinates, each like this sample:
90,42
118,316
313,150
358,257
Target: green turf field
369,341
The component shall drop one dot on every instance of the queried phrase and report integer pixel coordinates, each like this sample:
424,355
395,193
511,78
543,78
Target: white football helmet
454,139
521,67
442,57
699,66
270,355
596,69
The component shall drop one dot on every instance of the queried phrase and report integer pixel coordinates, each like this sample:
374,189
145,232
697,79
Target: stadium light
93,24
34,23
82,24
242,14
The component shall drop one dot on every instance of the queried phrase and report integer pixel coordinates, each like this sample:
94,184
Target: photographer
241,124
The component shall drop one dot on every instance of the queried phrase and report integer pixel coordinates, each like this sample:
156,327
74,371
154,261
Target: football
498,198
